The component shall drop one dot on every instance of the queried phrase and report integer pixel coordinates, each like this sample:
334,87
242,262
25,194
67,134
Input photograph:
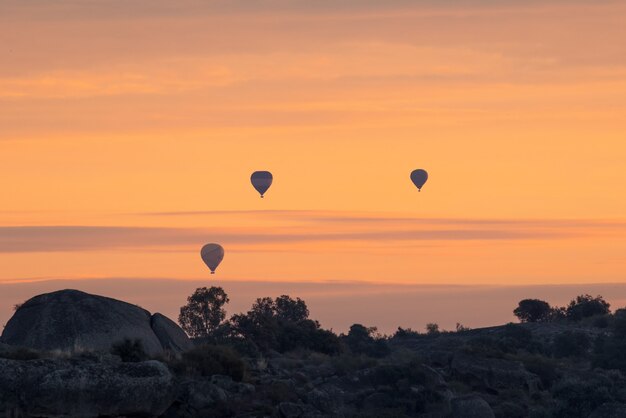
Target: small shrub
346,364
405,333
618,325
577,399
542,366
601,321
129,351
609,353
210,360
516,337
571,344
484,347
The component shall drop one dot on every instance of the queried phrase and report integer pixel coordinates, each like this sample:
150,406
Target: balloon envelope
212,255
261,180
419,177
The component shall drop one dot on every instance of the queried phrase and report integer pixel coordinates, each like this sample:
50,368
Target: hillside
560,368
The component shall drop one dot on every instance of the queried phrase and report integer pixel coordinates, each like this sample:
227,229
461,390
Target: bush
609,353
130,351
393,374
209,360
282,324
405,333
307,334
602,321
571,344
585,306
364,340
483,346
432,329
532,310
577,399
618,325
543,367
462,328
347,364
516,336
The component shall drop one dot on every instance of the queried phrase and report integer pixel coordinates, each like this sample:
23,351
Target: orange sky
128,132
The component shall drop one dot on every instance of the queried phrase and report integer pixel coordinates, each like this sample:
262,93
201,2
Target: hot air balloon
212,255
419,177
261,180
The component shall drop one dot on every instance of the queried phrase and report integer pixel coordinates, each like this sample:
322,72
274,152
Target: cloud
89,238
118,9
341,217
309,227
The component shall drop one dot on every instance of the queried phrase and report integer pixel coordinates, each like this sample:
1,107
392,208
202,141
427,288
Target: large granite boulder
170,335
74,321
84,388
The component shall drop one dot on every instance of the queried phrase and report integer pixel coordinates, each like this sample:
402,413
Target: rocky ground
280,367
466,374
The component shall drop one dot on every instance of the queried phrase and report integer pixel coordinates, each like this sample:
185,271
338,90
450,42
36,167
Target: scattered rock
492,373
471,406
290,410
610,410
68,388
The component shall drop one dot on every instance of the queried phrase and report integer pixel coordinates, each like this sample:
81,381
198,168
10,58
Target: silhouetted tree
585,306
259,325
405,333
365,340
462,328
432,329
533,310
291,310
282,324
204,311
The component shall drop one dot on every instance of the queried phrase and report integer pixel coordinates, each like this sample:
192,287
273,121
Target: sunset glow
129,130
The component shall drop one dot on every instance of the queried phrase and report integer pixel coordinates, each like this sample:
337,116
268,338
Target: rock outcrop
74,321
170,335
85,388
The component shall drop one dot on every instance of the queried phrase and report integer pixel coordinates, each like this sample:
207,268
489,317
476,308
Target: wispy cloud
305,227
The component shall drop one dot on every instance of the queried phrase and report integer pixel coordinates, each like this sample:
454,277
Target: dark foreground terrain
273,362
